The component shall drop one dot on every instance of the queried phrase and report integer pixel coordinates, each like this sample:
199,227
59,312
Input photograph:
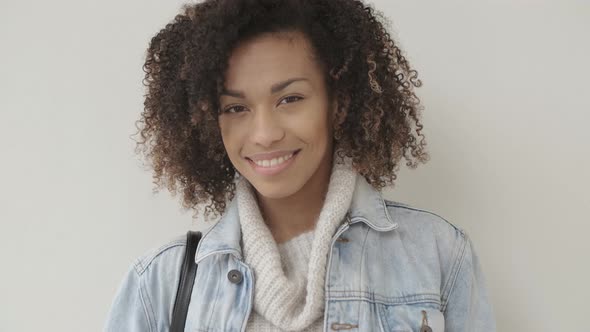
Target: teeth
273,162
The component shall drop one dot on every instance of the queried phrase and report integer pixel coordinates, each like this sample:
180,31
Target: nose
266,128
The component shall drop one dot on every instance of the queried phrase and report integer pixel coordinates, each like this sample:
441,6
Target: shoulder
157,273
430,239
147,292
170,252
426,231
422,221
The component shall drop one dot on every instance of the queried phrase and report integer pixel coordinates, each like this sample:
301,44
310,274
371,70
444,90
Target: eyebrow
273,89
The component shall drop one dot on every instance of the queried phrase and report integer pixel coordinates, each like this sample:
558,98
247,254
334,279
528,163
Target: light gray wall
506,118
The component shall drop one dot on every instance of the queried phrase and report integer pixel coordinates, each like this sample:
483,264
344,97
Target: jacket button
234,276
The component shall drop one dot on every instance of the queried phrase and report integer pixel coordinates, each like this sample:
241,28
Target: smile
273,166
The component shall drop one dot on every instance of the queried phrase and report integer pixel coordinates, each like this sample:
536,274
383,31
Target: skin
298,116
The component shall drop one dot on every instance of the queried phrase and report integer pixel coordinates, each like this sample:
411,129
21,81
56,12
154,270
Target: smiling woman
212,62
289,116
283,113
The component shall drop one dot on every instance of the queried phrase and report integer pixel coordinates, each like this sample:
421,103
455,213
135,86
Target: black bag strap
185,285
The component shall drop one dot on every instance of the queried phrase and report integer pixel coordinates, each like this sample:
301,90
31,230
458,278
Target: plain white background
506,118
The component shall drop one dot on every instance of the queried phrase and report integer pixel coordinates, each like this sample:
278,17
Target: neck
290,216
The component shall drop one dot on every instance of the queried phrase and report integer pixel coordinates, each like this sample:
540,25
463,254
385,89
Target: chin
274,190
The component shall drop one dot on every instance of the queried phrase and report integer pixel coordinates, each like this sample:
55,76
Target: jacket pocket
415,317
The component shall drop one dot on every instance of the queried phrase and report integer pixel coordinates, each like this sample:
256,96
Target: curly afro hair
377,121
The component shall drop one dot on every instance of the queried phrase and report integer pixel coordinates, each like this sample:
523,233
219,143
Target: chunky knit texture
295,255
288,291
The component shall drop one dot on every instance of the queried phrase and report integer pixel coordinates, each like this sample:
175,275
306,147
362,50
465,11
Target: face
275,114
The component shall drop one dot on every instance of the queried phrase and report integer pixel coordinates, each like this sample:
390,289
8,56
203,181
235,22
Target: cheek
315,127
228,135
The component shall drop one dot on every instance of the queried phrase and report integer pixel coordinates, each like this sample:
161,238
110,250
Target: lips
273,170
272,155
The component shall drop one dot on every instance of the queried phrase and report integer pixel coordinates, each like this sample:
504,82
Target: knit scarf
278,299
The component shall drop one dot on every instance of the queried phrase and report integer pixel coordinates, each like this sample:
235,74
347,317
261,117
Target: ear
334,107
339,115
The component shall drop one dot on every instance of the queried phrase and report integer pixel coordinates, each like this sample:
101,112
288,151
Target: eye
291,98
236,109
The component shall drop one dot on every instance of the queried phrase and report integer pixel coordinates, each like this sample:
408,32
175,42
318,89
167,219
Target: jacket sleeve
468,306
130,310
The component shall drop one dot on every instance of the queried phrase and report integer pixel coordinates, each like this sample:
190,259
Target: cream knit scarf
279,300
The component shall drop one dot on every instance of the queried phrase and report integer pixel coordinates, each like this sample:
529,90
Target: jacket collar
367,206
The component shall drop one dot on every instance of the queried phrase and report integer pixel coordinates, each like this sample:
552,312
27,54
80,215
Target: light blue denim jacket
391,267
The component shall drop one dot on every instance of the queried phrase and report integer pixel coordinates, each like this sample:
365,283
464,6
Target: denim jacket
391,267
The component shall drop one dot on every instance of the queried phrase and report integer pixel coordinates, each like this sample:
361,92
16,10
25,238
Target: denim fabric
391,267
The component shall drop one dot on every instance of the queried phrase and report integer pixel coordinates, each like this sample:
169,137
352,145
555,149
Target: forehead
269,58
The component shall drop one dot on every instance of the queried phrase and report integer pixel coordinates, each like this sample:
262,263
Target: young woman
288,117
